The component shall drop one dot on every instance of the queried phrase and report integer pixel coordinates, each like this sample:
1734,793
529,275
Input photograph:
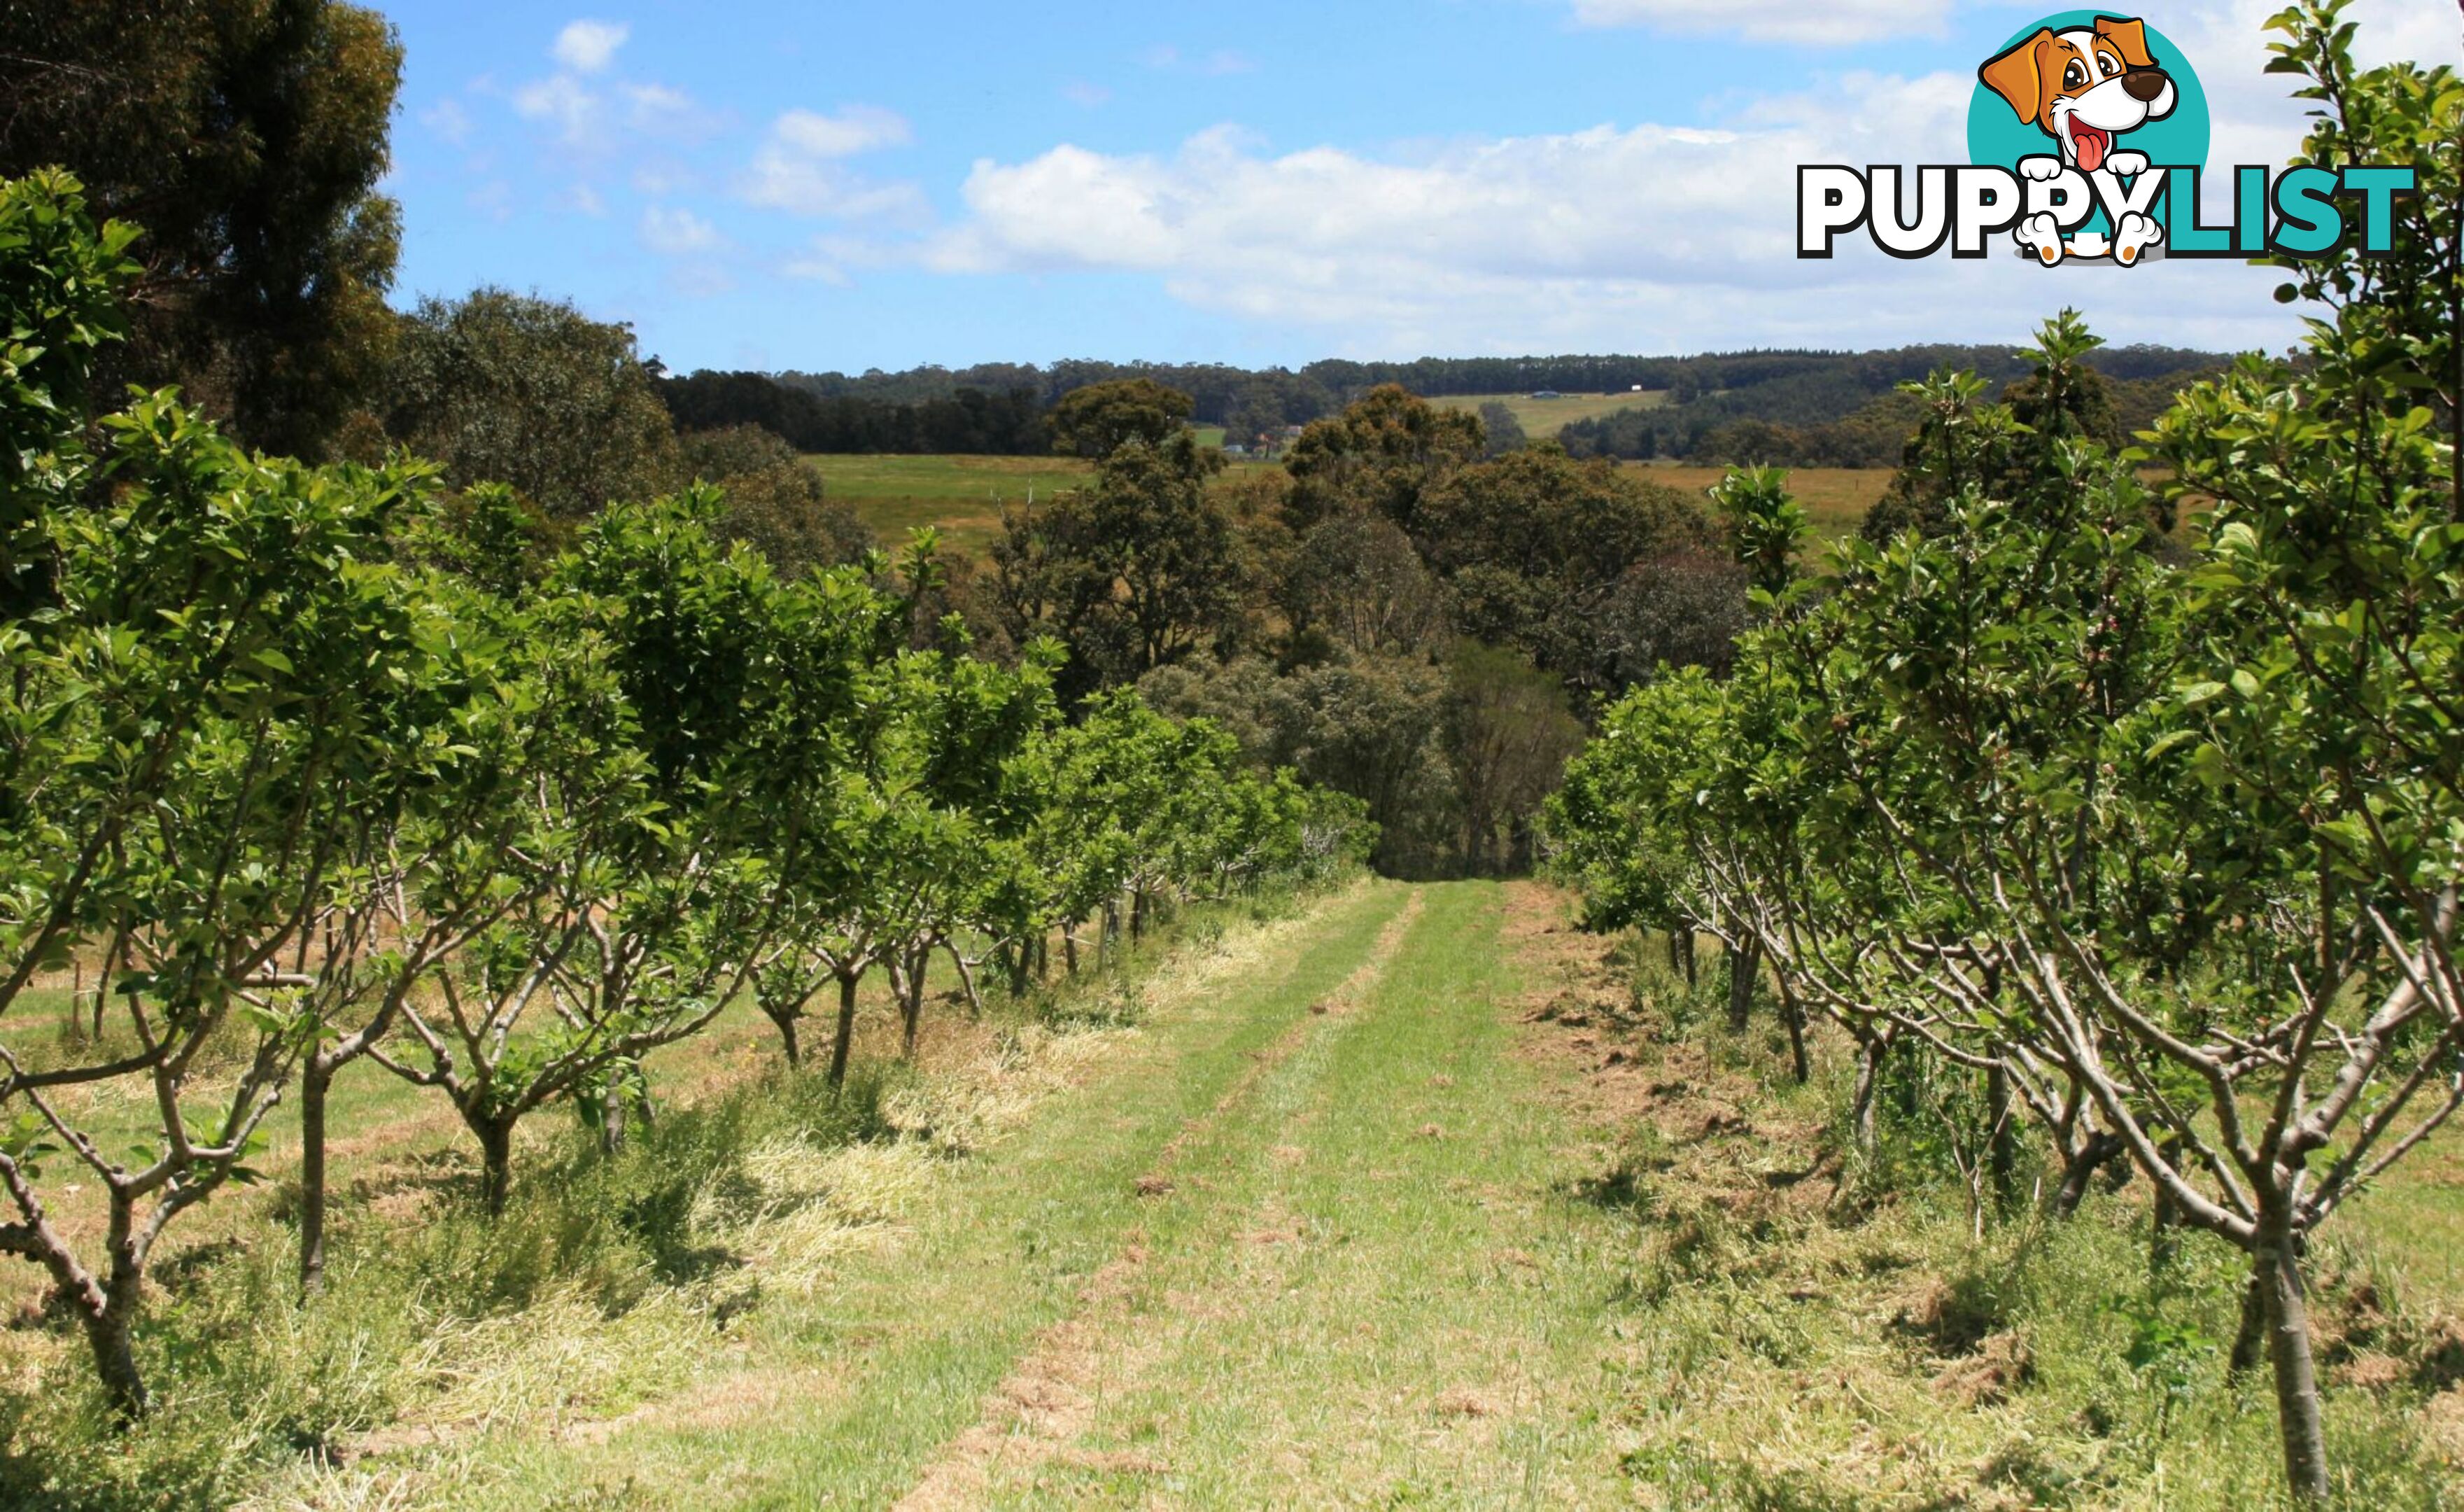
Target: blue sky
765,183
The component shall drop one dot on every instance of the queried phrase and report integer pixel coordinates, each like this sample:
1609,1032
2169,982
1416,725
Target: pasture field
1541,419
964,495
961,494
1837,497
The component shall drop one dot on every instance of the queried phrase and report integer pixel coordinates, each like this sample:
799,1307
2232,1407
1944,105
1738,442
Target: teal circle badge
1999,136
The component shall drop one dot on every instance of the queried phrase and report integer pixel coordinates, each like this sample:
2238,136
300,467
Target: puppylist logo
2087,135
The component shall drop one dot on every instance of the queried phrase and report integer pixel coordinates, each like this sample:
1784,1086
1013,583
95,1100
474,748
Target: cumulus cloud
678,233
449,121
562,101
800,167
588,47
1835,23
854,129
1649,237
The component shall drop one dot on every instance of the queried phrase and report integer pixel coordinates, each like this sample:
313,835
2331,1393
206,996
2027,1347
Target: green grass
898,1355
1835,498
1541,419
963,496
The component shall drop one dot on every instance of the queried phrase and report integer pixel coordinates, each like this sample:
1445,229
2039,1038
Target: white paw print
2044,169
2132,235
2127,163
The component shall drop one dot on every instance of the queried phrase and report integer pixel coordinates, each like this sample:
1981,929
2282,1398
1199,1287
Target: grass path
1293,1244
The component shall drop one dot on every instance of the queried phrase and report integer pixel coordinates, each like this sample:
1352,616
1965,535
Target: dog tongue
2091,144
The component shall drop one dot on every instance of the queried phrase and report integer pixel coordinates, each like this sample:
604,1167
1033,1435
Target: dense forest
1814,409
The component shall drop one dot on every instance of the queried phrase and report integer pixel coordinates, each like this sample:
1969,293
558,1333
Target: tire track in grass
871,1376
1398,1307
1050,1396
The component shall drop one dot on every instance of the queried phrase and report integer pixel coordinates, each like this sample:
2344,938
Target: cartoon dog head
2083,87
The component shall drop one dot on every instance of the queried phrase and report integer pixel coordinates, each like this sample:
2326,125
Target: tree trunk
2164,1222
1069,947
109,1334
846,1038
1794,1012
2277,1265
966,980
611,1112
1744,962
2080,1166
787,1041
1869,1075
2250,1341
911,1006
315,1079
1137,916
1693,970
1672,953
495,1164
2002,1147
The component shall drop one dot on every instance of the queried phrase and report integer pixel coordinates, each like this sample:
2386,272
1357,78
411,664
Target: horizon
783,190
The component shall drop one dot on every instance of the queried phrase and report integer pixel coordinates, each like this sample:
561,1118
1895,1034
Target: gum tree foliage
2170,857
1143,569
505,388
247,138
774,500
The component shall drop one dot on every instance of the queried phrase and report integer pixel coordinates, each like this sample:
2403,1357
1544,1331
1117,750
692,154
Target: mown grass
1410,1197
869,1377
446,1341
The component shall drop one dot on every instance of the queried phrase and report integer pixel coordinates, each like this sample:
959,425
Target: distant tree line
1793,408
1008,422
1848,411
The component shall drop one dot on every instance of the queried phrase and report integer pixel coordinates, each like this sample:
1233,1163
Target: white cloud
449,121
562,101
586,47
854,129
1079,92
799,168
1831,23
678,233
1643,238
